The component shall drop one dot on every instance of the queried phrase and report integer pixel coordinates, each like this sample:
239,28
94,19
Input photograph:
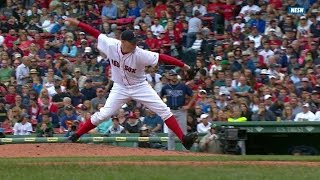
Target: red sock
86,127
172,124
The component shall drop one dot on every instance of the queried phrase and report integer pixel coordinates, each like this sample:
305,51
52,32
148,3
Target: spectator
3,111
116,128
143,18
100,99
248,10
109,10
88,91
194,27
210,143
306,114
23,127
66,120
156,28
287,114
45,128
69,49
204,125
5,72
134,10
22,71
236,115
132,124
245,111
263,114
153,122
199,7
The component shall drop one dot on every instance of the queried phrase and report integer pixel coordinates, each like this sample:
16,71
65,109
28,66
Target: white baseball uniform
128,74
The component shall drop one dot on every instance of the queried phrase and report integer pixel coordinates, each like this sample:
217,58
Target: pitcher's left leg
148,97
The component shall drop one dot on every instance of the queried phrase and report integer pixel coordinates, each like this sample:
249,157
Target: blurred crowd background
250,59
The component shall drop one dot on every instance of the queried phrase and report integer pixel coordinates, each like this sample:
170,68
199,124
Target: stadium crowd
251,61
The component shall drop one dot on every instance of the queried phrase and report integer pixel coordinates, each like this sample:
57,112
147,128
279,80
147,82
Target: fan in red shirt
10,38
82,39
43,3
164,42
152,42
10,97
215,7
24,44
173,33
159,8
38,40
228,10
276,4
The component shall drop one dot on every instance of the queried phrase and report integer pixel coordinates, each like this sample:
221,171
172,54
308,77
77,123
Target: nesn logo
296,10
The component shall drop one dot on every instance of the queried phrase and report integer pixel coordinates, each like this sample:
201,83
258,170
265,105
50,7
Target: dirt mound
78,150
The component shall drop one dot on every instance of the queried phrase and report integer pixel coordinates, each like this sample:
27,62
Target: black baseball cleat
73,138
189,139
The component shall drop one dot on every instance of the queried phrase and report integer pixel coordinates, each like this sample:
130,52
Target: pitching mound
90,150
78,150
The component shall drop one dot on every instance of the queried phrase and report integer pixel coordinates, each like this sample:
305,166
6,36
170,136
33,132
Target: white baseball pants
120,94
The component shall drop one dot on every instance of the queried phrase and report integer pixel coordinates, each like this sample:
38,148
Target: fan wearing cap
306,114
305,86
210,143
132,124
238,25
100,99
204,124
175,93
67,119
303,29
203,101
128,64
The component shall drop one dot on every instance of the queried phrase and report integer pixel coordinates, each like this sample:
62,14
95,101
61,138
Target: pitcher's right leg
117,97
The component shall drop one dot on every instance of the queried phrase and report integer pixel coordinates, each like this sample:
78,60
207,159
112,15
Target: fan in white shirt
266,52
248,10
201,8
156,28
273,28
305,115
152,77
205,125
23,127
255,36
238,23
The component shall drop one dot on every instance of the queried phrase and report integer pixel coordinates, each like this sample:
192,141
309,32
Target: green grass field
31,168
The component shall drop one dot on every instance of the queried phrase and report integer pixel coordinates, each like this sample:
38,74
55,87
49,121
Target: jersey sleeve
104,42
189,91
149,58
